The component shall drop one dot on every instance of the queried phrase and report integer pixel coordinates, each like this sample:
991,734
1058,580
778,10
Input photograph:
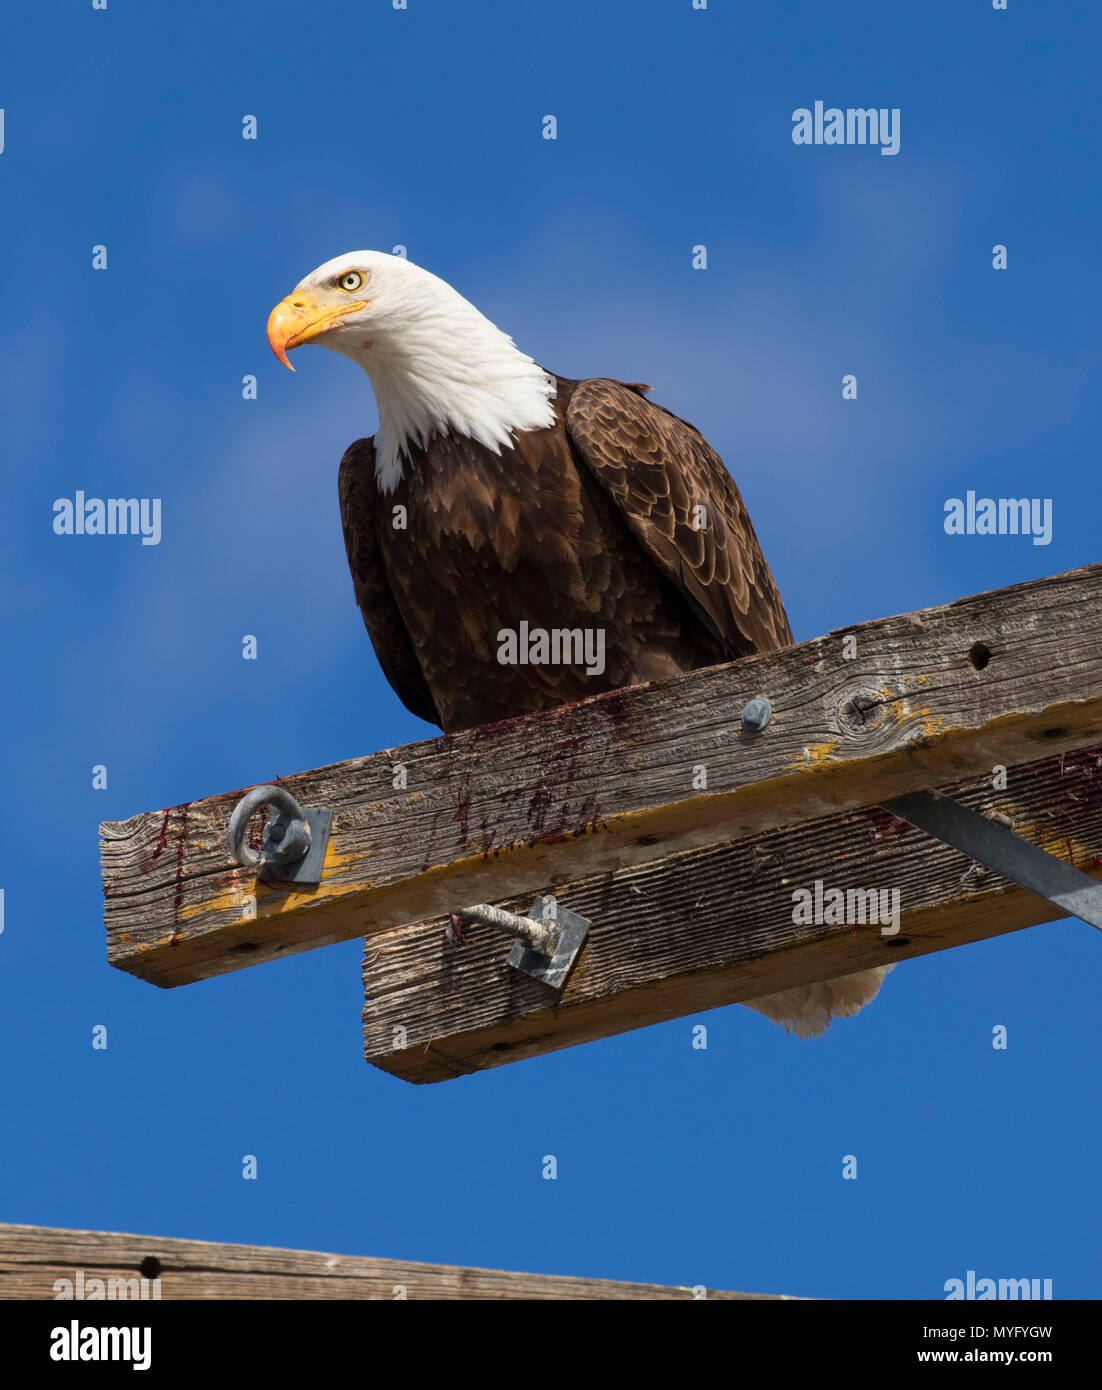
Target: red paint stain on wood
181,843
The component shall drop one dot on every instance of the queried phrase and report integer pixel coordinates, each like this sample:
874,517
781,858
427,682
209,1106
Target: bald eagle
497,499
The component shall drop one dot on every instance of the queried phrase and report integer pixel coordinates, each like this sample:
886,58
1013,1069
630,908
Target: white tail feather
808,1010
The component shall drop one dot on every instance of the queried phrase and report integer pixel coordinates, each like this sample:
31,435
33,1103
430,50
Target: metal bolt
287,838
757,714
546,942
540,936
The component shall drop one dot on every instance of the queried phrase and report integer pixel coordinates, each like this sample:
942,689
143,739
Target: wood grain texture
713,927
582,790
32,1258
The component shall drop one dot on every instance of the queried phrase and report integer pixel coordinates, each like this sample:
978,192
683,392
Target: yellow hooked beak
299,318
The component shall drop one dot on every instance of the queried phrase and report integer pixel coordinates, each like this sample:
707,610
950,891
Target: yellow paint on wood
812,756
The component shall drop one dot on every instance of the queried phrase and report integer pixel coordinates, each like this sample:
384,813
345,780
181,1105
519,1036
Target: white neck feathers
438,366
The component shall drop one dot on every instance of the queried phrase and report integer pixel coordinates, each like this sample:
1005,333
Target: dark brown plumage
587,524
602,514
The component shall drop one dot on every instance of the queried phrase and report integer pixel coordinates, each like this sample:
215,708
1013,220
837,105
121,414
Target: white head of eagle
436,364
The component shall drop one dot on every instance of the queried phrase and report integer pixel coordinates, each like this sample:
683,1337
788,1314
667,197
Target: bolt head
756,715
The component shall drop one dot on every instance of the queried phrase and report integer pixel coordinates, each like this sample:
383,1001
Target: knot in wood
861,714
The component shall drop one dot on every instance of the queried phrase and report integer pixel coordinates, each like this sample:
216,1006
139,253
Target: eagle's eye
351,281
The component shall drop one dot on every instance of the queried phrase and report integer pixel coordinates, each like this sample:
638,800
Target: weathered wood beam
862,714
714,926
34,1258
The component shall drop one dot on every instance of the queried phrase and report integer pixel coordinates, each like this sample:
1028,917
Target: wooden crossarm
622,780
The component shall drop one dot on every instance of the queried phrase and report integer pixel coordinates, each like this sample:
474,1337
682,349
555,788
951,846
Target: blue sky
423,128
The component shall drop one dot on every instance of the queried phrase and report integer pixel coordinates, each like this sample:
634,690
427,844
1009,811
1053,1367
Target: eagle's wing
371,586
658,470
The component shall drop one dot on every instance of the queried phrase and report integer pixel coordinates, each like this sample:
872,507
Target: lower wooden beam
715,926
39,1262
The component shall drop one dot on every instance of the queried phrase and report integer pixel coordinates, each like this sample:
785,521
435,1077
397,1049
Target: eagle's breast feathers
617,518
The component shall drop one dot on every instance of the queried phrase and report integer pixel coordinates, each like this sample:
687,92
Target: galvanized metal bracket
294,841
570,930
995,845
547,941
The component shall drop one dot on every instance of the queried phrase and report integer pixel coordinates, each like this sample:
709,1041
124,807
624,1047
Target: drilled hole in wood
979,655
898,941
150,1267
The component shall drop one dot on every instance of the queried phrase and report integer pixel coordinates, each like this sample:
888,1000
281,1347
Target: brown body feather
592,523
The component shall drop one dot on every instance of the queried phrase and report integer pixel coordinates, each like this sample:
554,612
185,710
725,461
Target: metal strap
1000,849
